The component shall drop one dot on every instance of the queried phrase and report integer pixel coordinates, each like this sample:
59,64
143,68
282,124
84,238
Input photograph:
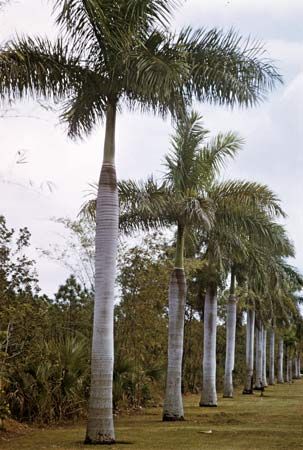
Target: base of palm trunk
170,418
208,405
248,392
259,388
228,396
280,382
103,440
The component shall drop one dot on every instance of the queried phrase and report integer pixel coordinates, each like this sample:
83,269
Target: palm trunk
299,365
272,357
295,364
290,360
231,320
287,377
173,404
280,361
287,365
209,392
264,357
100,426
259,355
250,337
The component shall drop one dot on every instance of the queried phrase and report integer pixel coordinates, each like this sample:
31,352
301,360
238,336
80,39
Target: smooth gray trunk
272,357
290,370
288,366
173,404
264,357
286,369
299,365
250,338
280,378
209,392
295,367
259,355
100,427
231,320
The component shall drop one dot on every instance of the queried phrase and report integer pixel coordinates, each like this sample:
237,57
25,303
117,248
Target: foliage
122,54
44,359
141,318
45,343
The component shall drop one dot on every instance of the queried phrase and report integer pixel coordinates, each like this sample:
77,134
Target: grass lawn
274,421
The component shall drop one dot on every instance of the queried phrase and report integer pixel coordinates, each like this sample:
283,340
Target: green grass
274,421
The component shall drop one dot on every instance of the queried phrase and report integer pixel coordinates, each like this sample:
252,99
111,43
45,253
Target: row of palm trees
232,227
117,54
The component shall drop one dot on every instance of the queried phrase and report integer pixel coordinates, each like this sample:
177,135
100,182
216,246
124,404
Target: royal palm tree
260,234
272,336
265,271
284,309
280,375
241,209
179,200
114,54
190,198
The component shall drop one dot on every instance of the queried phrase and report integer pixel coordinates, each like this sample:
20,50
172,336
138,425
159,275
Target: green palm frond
197,210
39,68
181,163
123,54
225,69
85,108
74,18
148,195
143,205
156,73
252,194
220,148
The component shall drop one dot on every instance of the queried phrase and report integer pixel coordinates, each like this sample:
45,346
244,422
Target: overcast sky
273,131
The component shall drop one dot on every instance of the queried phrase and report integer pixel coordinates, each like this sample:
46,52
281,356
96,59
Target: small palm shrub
53,386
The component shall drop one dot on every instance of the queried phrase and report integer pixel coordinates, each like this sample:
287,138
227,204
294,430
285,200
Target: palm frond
181,162
252,194
74,18
156,72
198,210
143,205
220,148
39,68
86,108
226,69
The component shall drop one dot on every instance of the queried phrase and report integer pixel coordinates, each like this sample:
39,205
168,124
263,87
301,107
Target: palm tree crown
120,52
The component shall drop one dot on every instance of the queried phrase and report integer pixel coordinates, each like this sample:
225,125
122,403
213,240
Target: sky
273,131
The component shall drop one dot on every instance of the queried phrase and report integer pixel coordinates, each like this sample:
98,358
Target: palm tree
271,379
190,197
259,354
264,357
181,200
231,318
241,210
284,310
262,234
280,376
265,271
113,54
250,336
